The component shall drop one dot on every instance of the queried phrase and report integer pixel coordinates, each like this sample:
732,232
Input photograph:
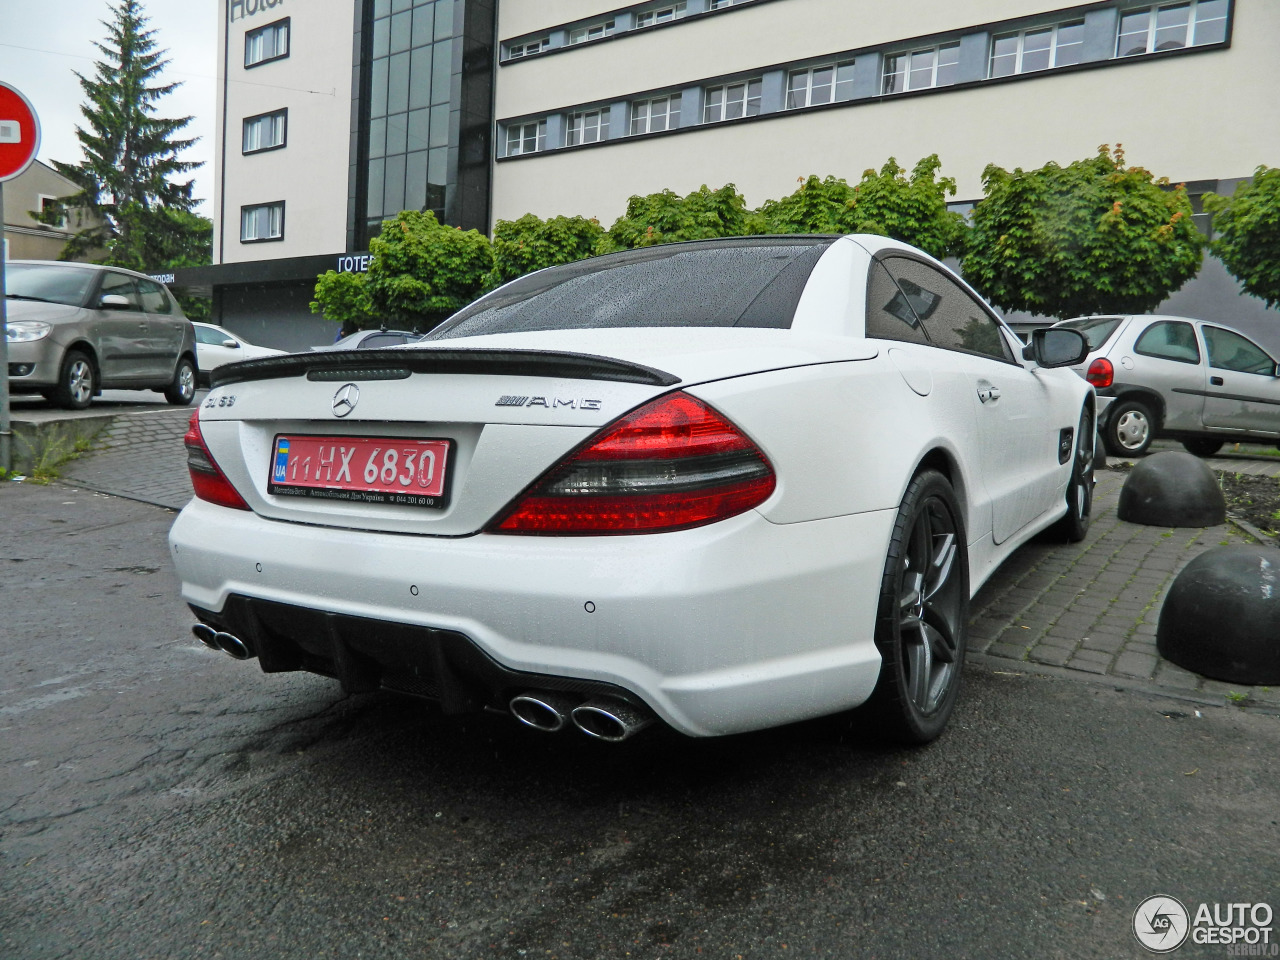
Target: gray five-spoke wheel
928,608
80,381
923,618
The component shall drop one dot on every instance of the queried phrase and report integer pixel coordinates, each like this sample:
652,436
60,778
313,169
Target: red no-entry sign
19,132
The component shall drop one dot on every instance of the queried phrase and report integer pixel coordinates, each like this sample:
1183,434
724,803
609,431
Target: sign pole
19,142
6,433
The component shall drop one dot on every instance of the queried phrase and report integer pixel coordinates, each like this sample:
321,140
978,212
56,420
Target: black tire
183,388
77,381
1202,446
1075,524
1130,429
922,620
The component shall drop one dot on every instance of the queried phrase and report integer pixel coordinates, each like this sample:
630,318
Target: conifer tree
131,156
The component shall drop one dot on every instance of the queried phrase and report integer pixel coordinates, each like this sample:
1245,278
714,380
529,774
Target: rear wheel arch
1148,398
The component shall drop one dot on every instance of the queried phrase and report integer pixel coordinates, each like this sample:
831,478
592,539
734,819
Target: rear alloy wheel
922,621
1130,429
183,388
1075,524
1202,446
77,382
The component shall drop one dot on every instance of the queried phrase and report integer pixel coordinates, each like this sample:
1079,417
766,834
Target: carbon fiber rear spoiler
399,363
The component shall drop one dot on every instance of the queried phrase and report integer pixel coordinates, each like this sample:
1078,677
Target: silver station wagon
75,328
1173,377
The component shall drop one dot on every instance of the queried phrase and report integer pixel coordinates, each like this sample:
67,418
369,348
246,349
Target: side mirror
113,301
1056,347
231,343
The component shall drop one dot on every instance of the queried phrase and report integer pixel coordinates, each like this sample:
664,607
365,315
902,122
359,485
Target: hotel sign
239,9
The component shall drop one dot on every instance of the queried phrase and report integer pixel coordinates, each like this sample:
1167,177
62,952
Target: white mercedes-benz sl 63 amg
724,485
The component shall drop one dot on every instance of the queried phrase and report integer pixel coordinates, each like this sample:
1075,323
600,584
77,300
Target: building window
52,213
528,48
267,43
721,4
525,138
595,31
731,101
662,15
262,221
825,84
264,132
656,115
922,69
1171,26
1039,49
588,126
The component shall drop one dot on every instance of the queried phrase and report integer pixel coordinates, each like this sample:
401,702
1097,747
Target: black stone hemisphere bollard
1172,489
1221,618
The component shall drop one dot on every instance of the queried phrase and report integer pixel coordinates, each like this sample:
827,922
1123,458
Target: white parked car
727,484
216,345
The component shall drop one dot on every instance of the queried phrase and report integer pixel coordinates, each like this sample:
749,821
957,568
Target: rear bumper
735,626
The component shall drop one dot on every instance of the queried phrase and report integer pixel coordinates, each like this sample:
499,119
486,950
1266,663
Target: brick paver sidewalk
139,456
1093,607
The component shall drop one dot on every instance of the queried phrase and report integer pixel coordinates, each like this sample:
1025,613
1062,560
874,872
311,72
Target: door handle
1216,381
987,391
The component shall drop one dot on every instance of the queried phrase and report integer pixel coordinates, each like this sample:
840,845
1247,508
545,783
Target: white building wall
1201,115
310,172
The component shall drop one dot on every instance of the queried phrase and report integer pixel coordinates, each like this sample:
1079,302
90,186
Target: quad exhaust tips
228,643
603,719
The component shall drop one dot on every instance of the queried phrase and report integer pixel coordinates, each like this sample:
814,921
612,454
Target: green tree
344,299
1094,236
421,272
130,155
887,202
530,243
1246,228
667,217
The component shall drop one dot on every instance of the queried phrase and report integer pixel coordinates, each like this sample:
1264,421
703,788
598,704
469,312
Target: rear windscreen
739,283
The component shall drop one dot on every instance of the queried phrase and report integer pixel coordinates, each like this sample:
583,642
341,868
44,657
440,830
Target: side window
119,285
1169,340
1230,351
889,315
208,335
383,340
154,299
951,317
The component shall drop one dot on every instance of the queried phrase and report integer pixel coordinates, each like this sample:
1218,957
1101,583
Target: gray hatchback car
1190,380
76,328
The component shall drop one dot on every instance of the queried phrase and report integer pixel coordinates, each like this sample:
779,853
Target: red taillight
672,464
207,480
1100,372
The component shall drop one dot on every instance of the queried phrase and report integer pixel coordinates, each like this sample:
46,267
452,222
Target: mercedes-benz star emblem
345,400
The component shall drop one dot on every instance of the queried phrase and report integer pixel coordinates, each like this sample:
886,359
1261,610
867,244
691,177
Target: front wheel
77,382
1075,524
183,388
922,621
1130,429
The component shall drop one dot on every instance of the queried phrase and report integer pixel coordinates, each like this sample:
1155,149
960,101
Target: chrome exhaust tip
543,710
232,645
610,720
206,635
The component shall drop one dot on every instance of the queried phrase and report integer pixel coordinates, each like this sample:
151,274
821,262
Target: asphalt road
160,800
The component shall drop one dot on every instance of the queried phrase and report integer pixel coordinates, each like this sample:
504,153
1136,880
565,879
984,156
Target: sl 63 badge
226,400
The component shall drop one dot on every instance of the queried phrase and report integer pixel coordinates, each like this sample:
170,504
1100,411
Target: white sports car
726,485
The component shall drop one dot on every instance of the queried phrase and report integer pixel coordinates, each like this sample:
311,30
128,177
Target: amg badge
550,403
